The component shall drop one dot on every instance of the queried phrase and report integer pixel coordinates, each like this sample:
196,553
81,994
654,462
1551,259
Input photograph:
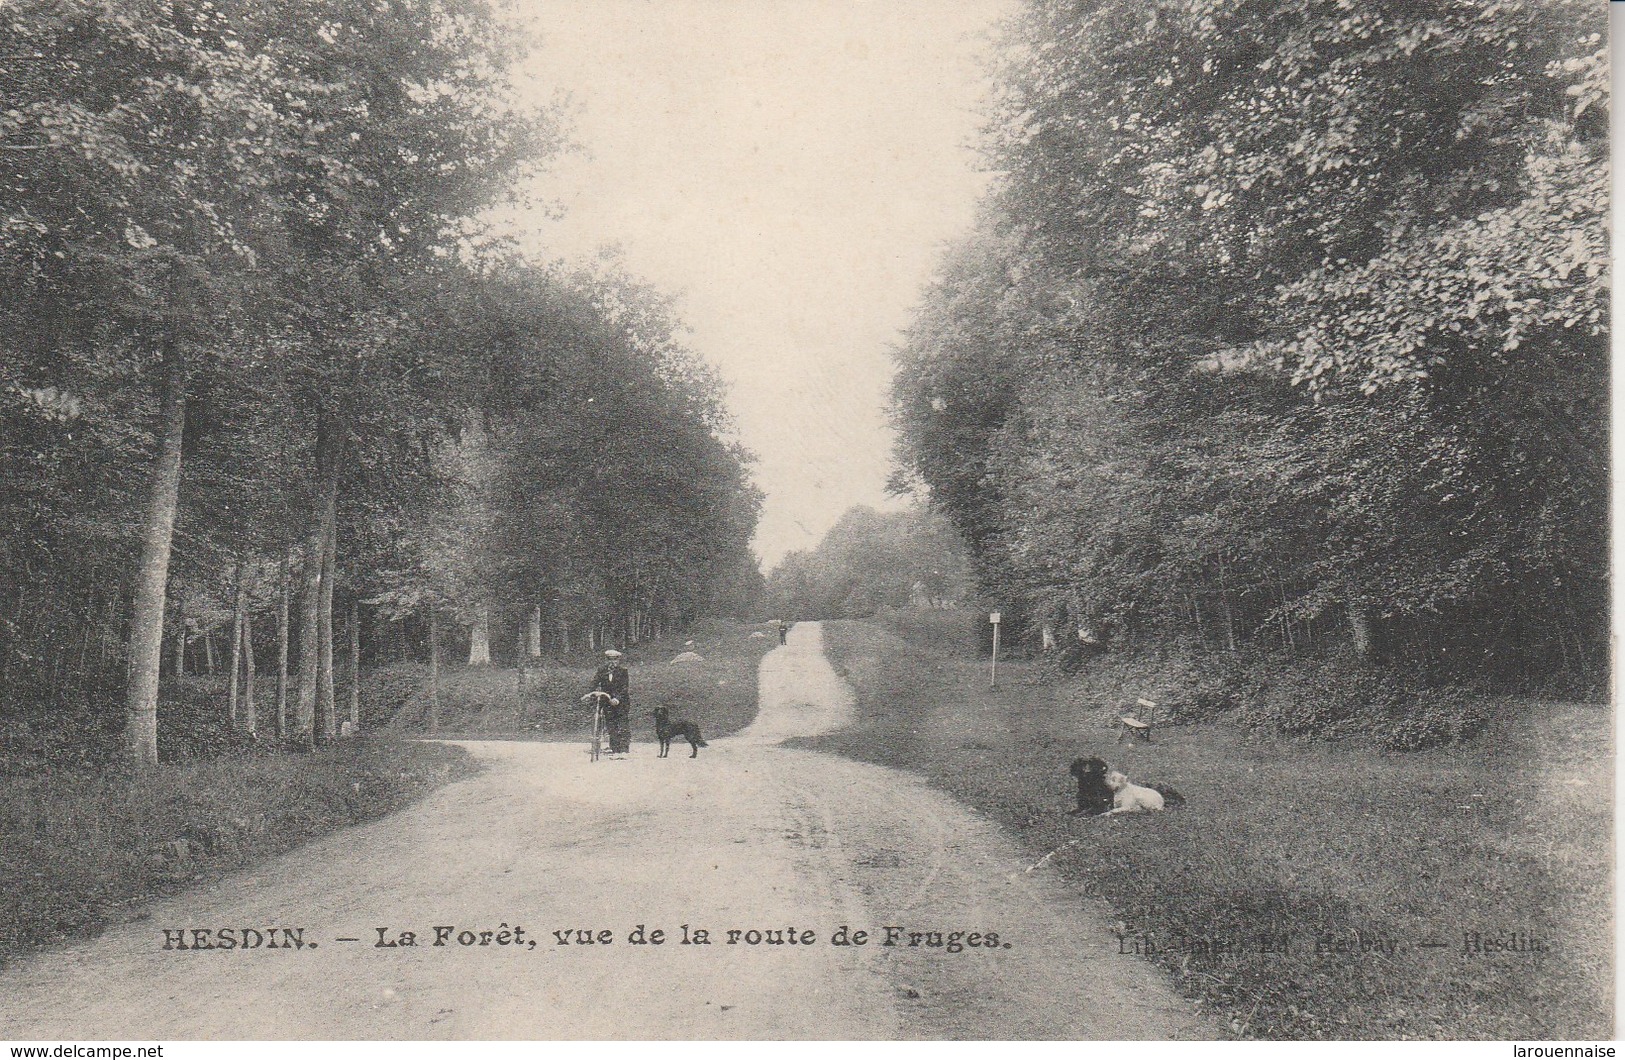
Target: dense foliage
1285,320
258,351
869,560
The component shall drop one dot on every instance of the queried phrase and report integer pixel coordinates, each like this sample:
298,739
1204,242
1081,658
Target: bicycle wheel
597,730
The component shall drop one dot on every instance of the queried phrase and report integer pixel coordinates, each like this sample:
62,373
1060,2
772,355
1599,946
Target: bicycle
596,747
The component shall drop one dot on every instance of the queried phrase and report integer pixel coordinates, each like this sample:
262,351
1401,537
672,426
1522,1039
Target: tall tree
1283,318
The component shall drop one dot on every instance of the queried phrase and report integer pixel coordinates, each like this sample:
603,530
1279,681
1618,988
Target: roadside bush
718,691
1339,698
1315,698
1434,717
955,631
1219,683
192,724
72,736
79,847
387,690
1308,696
707,629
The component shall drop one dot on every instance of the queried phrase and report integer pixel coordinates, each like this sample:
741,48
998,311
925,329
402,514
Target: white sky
791,170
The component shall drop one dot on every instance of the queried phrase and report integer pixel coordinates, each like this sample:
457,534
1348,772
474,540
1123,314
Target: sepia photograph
805,520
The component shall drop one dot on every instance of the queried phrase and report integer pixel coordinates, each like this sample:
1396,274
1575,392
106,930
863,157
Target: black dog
666,730
1094,797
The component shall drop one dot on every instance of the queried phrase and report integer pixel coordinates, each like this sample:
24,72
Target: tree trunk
89,625
355,666
327,701
533,634
1229,613
434,672
564,638
56,679
310,602
108,636
208,652
180,647
237,613
479,638
1360,630
310,606
282,651
152,571
251,721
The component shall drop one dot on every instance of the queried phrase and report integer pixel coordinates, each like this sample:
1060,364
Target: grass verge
81,849
1350,860
718,691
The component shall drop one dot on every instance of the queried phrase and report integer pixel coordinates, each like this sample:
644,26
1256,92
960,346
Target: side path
750,837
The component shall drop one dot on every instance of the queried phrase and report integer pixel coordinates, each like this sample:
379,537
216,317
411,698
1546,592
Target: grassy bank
718,690
81,849
1508,836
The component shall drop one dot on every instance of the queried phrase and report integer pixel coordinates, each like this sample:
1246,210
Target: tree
1276,321
251,300
127,158
869,560
221,192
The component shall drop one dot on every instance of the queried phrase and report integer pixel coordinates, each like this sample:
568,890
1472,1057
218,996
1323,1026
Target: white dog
1130,798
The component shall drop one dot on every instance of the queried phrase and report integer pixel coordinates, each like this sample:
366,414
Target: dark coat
613,678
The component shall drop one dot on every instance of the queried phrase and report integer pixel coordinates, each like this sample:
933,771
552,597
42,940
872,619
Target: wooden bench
1132,727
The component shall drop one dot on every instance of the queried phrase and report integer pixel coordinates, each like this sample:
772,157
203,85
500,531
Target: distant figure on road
613,679
784,628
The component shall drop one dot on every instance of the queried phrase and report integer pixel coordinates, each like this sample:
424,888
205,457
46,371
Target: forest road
749,837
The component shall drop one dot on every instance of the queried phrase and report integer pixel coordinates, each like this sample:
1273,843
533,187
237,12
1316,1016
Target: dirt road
750,837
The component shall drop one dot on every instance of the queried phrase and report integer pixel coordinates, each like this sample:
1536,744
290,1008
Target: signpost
993,674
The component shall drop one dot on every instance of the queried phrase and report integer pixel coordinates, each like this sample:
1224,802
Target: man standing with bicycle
613,680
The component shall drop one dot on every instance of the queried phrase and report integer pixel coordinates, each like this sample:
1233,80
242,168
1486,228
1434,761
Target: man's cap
612,654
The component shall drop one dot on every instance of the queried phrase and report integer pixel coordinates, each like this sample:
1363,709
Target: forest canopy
871,560
1282,322
260,364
